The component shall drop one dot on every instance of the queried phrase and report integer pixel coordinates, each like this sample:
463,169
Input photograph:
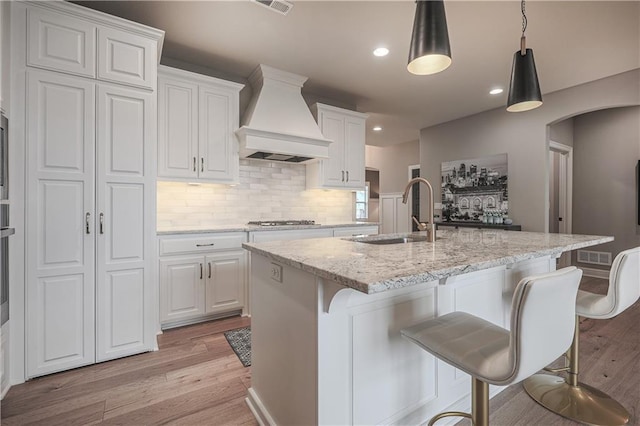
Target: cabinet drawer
201,243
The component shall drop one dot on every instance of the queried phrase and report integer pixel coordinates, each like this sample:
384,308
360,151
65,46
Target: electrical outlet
276,272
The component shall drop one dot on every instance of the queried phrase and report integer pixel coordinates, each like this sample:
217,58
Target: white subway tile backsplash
267,191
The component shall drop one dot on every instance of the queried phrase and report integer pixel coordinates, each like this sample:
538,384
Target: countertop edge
253,228
438,274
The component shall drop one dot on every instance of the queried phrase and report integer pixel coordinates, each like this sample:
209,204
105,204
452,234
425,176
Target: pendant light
524,90
430,52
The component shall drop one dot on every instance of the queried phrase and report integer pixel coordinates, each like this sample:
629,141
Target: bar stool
542,324
568,397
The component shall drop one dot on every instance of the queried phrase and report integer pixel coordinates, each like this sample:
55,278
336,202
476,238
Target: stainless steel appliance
5,230
282,222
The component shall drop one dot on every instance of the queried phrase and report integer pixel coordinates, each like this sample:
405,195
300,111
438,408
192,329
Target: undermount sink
398,240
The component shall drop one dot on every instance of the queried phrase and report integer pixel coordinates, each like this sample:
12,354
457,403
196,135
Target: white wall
393,162
606,153
267,191
524,137
562,132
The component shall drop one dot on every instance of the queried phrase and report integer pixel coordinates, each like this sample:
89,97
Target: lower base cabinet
210,281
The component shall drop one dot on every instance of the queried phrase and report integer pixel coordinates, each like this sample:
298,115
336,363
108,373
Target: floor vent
281,6
594,257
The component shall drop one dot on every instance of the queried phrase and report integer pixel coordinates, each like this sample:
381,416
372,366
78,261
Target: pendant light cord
523,42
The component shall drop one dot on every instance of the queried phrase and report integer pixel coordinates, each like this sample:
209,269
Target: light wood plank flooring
196,379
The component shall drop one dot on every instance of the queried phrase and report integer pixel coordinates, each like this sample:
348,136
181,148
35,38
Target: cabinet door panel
126,58
60,42
61,228
60,223
59,313
125,224
178,129
124,320
225,281
181,288
218,152
354,153
124,128
333,167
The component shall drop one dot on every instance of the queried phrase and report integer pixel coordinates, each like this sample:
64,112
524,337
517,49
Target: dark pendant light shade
430,52
524,90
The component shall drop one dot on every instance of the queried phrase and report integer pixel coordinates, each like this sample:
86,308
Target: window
362,203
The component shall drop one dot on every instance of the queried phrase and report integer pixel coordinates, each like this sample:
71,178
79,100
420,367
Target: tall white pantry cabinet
90,135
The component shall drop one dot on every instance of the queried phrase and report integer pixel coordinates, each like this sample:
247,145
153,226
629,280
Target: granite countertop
253,228
371,268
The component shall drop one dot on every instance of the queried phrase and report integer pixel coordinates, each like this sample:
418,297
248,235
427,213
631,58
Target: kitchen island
327,314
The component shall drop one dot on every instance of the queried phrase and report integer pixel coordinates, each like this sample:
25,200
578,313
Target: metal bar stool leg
574,400
479,402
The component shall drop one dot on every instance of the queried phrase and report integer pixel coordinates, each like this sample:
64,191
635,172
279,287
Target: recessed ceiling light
381,51
377,129
495,91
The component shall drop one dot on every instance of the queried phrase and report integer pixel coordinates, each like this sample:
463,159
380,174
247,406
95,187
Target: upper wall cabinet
197,118
344,169
62,42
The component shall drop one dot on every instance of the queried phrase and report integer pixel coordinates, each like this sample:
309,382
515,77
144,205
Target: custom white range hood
278,124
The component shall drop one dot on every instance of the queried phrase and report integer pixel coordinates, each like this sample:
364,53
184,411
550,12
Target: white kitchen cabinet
89,219
345,167
78,45
181,288
394,214
125,213
61,42
60,225
201,277
289,234
225,289
5,54
198,116
90,188
355,231
126,58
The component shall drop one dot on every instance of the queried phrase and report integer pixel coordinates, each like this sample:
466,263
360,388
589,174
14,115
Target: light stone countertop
371,268
255,228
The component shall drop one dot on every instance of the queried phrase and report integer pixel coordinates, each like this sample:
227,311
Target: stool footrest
448,414
581,403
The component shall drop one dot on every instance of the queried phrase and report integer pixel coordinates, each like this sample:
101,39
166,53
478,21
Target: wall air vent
281,6
594,257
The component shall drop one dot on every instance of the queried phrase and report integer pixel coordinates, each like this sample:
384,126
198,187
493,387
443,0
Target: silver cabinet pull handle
86,222
194,164
102,223
347,175
343,175
205,245
201,271
209,269
202,164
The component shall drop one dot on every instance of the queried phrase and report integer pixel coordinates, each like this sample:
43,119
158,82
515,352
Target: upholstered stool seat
542,324
568,397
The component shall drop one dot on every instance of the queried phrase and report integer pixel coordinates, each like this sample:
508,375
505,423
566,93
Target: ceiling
331,42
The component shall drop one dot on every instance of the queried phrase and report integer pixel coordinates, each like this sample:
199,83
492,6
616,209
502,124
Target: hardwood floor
196,379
